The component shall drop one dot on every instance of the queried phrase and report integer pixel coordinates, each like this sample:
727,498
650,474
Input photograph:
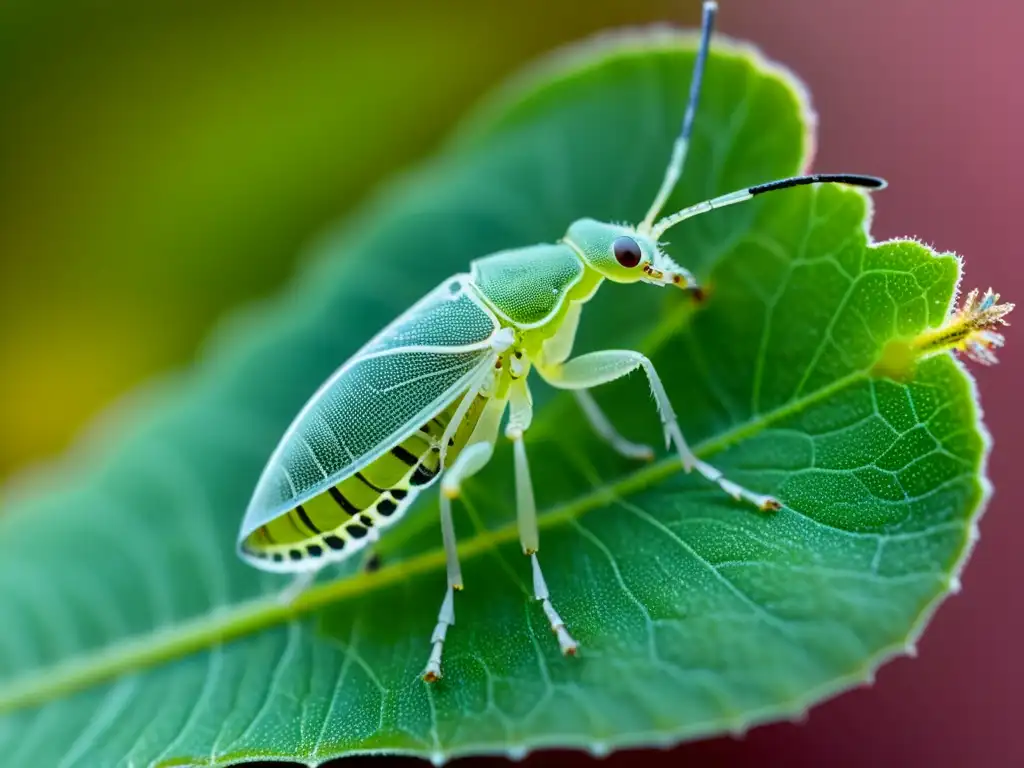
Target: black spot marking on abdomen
342,502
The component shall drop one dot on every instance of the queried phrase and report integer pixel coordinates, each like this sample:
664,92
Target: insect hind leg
529,537
446,615
471,460
300,583
526,512
540,591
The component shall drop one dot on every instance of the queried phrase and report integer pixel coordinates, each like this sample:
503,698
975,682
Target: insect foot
691,462
445,619
540,592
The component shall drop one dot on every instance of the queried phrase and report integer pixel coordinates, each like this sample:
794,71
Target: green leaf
133,635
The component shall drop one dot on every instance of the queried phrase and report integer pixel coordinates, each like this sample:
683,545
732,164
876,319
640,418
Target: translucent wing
412,369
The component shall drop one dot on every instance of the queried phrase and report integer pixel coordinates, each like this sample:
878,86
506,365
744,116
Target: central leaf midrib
212,628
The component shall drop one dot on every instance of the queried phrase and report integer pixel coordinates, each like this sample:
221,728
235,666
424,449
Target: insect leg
471,460
445,619
520,416
556,351
475,388
299,584
606,430
597,368
451,555
558,348
370,561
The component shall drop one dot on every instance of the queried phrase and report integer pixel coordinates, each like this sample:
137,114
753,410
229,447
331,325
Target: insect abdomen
339,521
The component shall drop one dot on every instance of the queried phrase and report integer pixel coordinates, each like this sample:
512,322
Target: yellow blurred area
161,162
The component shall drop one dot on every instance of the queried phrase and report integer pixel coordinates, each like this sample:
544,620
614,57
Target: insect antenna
742,195
675,166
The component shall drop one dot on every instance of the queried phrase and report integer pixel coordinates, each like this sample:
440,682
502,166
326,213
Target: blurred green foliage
162,161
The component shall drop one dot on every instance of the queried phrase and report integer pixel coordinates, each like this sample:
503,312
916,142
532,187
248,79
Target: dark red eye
627,251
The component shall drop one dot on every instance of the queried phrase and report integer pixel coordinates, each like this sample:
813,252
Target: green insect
426,397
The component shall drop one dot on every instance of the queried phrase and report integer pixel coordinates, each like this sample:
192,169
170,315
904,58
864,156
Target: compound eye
627,251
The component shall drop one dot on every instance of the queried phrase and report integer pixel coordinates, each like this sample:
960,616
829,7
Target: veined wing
407,373
335,525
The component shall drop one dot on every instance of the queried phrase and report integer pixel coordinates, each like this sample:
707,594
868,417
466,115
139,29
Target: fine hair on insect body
423,401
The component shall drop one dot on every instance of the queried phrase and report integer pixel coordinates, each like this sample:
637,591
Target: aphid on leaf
424,399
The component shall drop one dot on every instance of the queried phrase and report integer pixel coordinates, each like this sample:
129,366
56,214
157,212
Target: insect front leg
520,416
556,351
596,368
472,459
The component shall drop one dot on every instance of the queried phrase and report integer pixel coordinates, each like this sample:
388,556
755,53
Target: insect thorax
527,286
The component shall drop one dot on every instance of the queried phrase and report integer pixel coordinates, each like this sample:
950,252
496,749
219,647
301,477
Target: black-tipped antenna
742,195
854,179
678,159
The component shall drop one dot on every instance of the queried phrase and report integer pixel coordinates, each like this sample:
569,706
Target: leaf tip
969,330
